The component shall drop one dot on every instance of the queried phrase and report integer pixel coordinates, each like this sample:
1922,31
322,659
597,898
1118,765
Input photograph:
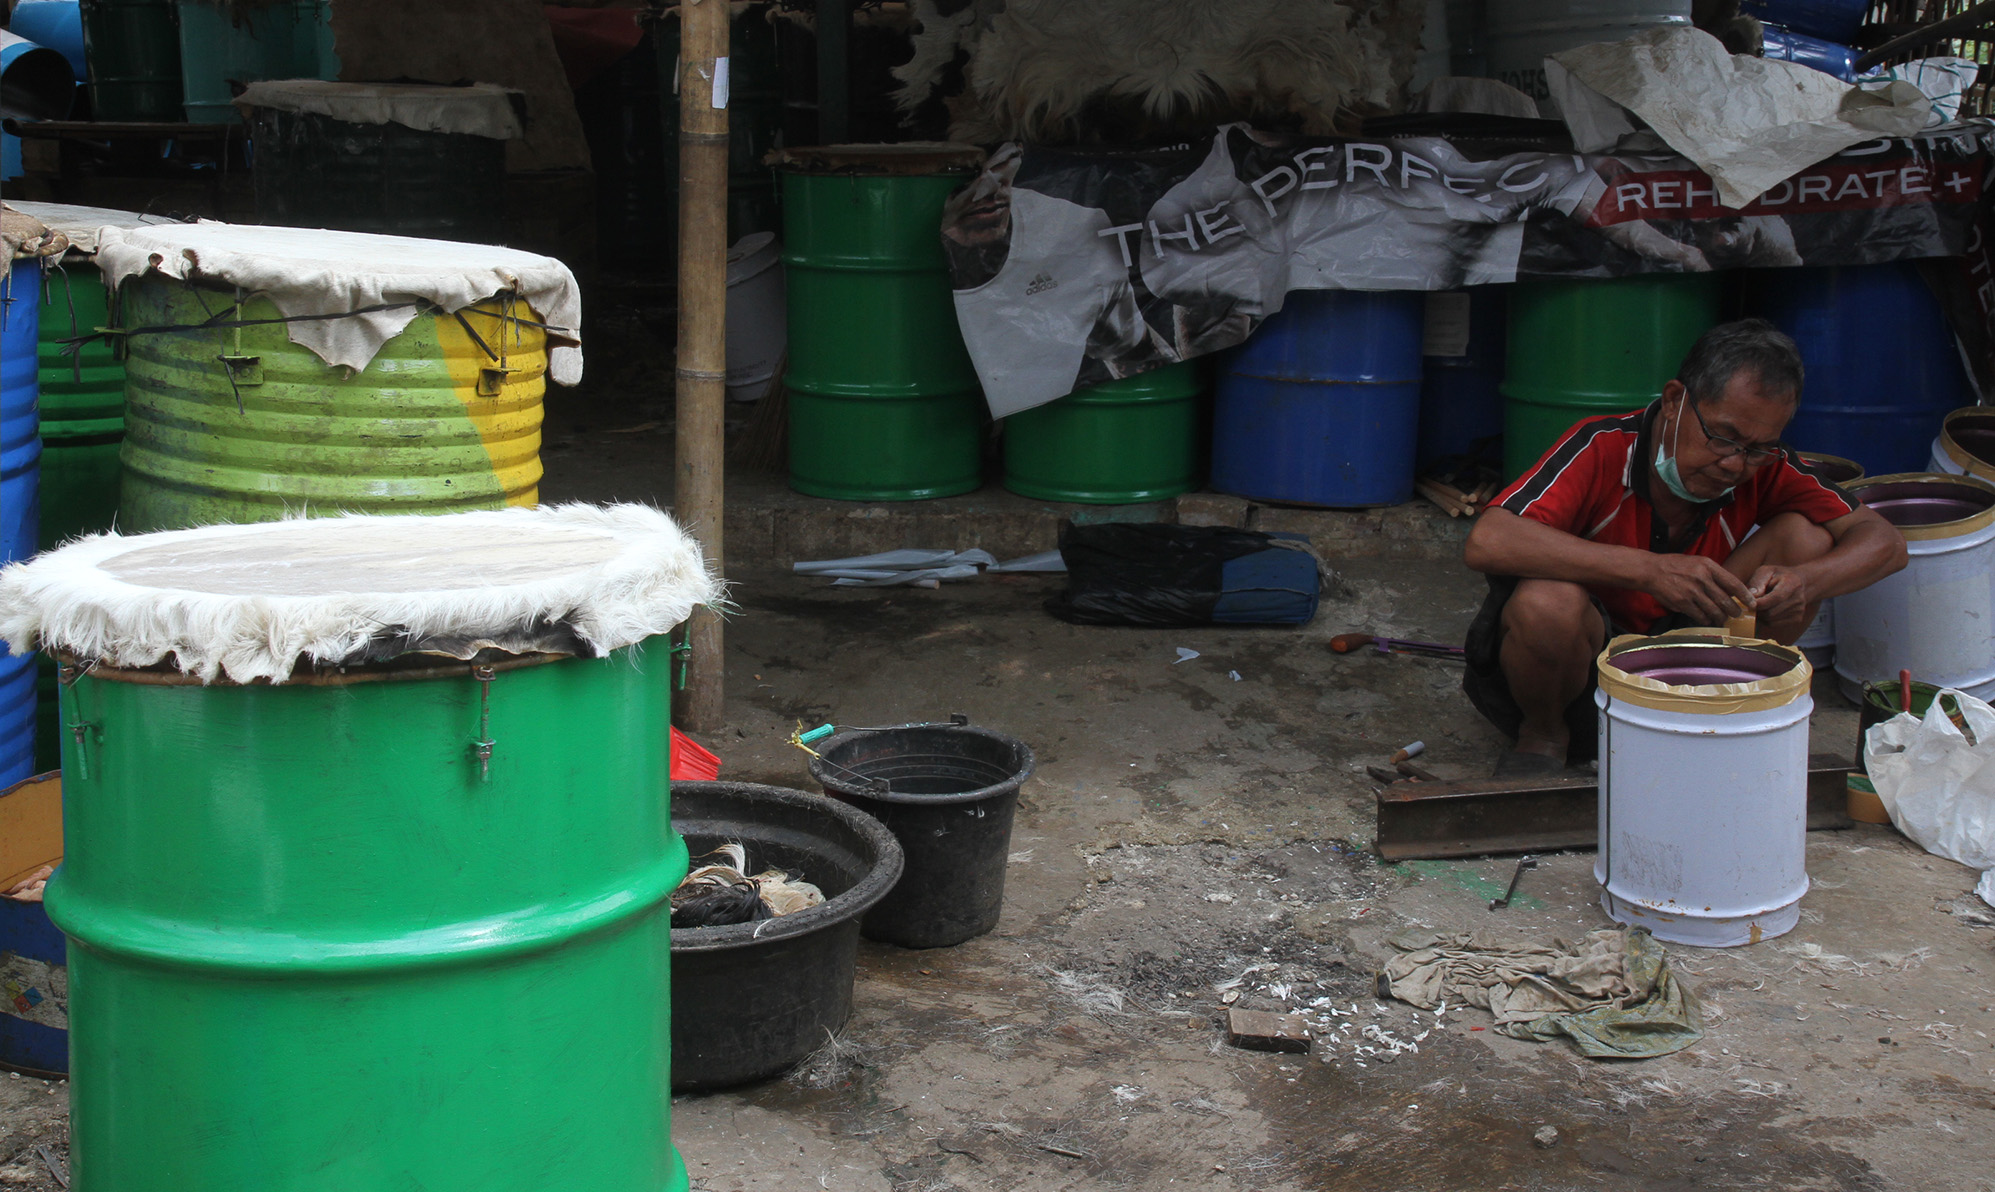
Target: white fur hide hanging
1038,69
249,601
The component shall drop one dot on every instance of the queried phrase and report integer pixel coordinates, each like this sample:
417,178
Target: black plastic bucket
751,999
947,793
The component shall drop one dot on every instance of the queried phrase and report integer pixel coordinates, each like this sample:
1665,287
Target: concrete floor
1185,826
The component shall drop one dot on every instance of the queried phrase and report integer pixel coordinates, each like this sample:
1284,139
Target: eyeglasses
1725,448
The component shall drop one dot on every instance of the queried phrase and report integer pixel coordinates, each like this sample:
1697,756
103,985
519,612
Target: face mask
1672,476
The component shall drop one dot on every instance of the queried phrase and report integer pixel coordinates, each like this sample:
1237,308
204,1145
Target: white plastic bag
1937,782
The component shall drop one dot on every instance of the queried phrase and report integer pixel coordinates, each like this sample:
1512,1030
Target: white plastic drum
1703,786
757,318
1818,641
1965,445
1936,618
1523,33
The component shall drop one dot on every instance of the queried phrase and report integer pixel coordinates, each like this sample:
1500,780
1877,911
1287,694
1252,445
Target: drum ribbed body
1322,405
1579,349
1130,440
884,404
82,408
312,949
413,432
1882,368
20,472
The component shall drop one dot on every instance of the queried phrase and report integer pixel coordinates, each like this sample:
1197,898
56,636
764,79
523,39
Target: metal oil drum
1703,786
1935,618
133,49
1580,349
884,403
1882,365
1965,445
82,407
242,425
20,467
1818,641
1136,439
1321,406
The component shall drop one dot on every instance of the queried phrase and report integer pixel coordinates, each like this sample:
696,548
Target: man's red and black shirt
1595,483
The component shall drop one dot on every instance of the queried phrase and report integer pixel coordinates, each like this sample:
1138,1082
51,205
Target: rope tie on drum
66,676
241,369
482,747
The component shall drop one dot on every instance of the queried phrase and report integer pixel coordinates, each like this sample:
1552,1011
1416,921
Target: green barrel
224,41
884,404
426,427
1583,348
132,48
83,407
311,949
1130,440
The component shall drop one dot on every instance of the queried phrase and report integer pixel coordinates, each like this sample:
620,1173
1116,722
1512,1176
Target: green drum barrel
133,51
223,42
426,427
83,408
1584,348
884,404
1130,440
313,949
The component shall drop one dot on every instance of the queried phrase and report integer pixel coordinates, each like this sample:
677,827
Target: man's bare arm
1503,543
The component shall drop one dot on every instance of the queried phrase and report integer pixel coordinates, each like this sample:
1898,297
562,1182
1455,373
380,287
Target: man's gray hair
1750,344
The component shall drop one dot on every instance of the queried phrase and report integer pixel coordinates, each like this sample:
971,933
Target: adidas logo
1039,284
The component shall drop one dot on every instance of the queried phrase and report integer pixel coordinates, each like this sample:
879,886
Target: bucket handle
802,740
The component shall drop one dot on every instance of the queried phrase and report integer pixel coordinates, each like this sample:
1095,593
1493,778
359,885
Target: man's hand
1697,587
1778,593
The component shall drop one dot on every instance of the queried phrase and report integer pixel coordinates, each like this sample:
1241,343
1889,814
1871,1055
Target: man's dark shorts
1489,691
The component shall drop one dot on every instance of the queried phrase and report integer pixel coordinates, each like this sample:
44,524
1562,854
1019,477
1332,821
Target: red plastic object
692,762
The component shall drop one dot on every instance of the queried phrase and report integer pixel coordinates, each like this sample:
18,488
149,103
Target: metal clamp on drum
1703,786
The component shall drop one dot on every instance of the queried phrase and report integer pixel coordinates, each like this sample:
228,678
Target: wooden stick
1447,498
698,499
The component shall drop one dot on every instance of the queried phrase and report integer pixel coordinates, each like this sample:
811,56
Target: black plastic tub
751,999
947,793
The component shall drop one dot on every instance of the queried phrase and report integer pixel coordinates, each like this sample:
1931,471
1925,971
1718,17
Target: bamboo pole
698,499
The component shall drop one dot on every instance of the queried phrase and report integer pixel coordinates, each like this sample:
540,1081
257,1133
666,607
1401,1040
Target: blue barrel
1836,20
1322,405
34,973
37,84
20,500
1883,370
1461,411
1815,53
57,24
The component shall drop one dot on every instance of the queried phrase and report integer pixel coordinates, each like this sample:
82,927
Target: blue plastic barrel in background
20,504
1836,20
36,83
57,24
1322,405
1882,367
1460,406
1815,53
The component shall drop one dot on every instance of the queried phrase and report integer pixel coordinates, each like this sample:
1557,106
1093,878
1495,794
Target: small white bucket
1703,786
1936,618
757,319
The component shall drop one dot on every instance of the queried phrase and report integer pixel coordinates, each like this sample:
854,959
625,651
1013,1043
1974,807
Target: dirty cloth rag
1612,993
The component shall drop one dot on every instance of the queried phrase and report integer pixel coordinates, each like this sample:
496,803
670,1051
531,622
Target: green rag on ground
1612,993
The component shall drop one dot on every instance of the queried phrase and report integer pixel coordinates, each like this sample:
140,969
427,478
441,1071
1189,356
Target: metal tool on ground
1479,817
1523,863
1345,643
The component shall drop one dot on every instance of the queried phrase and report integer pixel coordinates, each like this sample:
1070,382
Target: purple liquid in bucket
1932,502
1694,666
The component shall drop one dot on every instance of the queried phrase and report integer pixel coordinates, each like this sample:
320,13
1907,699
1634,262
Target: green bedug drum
367,871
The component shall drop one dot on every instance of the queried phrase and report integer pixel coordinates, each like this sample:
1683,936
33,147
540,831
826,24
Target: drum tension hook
67,674
483,745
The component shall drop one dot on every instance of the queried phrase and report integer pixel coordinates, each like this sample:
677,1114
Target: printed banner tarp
1075,267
